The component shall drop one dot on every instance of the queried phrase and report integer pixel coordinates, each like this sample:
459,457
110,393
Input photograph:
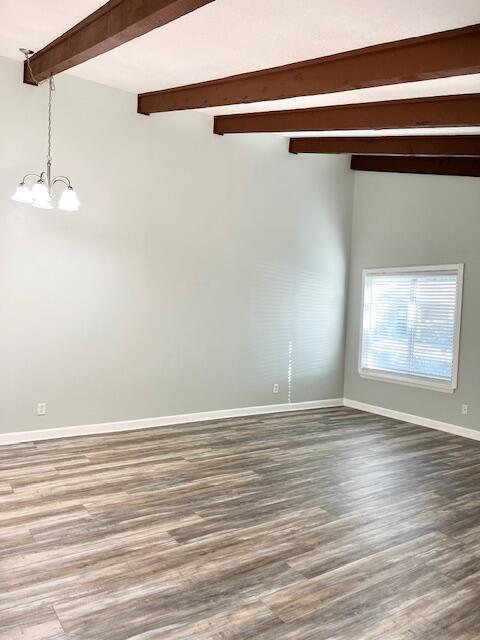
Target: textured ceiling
235,36
427,88
231,36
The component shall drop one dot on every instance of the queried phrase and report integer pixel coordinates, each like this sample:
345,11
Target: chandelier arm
63,179
30,175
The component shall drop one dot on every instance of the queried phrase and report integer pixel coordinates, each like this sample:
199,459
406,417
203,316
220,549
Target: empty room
239,320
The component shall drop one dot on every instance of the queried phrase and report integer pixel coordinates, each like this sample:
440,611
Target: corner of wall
348,273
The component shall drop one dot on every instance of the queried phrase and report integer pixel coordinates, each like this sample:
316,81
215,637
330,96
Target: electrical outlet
275,388
41,408
465,409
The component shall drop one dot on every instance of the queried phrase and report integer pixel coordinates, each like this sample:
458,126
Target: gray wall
404,220
193,263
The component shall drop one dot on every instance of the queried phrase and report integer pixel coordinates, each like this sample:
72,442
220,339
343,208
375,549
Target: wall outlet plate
275,388
465,409
41,408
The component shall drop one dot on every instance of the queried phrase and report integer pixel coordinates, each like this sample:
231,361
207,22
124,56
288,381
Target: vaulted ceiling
220,38
228,37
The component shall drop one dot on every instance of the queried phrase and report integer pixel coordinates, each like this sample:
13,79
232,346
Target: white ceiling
231,36
424,131
235,36
440,87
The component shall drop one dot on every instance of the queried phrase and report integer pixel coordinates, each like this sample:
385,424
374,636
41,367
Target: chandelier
42,195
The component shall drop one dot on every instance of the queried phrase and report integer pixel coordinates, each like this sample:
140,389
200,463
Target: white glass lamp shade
40,190
69,200
22,194
40,196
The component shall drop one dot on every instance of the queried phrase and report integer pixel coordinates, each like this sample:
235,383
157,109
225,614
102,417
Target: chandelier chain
27,55
51,89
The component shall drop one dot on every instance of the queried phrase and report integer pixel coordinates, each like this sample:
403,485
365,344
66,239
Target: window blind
410,322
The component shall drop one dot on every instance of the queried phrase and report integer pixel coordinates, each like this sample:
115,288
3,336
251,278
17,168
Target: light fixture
22,194
69,200
42,195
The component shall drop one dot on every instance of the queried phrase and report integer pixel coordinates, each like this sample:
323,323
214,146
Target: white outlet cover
41,408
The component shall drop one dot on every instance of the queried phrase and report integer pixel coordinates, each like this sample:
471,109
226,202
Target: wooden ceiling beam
438,55
444,111
452,145
403,164
113,24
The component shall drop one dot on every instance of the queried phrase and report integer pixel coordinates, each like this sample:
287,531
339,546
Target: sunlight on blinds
410,323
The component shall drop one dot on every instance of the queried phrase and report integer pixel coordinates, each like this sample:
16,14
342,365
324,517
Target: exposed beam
113,24
391,145
438,55
402,164
445,111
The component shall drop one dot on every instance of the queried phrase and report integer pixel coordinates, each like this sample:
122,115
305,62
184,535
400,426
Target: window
411,325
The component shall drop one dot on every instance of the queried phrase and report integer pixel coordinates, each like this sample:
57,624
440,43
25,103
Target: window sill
408,381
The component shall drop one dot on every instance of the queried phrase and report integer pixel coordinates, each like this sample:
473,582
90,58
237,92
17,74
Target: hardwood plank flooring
321,525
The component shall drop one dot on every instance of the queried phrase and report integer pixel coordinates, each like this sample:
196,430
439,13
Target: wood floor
332,524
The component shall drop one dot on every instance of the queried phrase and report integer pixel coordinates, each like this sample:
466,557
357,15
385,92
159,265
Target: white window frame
411,380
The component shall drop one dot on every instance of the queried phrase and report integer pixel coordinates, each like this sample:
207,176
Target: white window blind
411,324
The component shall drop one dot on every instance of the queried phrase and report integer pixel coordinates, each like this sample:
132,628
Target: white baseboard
455,429
146,423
